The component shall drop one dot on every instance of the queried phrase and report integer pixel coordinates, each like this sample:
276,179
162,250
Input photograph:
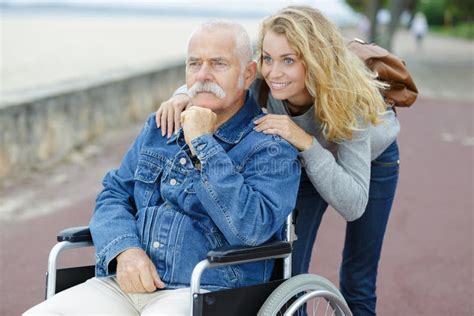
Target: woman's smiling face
283,70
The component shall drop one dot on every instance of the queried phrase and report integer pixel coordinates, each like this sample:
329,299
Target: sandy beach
44,51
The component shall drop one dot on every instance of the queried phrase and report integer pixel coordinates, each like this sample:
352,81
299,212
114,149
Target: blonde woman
323,101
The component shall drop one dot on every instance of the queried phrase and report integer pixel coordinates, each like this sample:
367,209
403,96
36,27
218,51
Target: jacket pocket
377,163
387,165
147,172
146,177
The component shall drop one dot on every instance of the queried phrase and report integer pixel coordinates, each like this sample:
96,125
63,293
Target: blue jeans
364,236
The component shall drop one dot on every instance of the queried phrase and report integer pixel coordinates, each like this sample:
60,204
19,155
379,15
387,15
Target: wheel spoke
304,292
327,308
315,311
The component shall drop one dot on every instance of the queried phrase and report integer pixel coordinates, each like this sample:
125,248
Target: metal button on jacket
173,182
182,161
156,244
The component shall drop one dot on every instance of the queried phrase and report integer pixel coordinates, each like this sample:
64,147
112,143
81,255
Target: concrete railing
38,131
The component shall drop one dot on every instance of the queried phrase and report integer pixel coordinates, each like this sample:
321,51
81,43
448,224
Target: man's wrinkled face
213,71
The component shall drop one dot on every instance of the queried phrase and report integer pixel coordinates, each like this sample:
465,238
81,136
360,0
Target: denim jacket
238,191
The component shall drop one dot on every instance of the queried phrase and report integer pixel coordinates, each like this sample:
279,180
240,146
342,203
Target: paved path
427,262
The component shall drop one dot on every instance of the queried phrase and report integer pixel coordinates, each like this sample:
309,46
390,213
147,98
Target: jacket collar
237,126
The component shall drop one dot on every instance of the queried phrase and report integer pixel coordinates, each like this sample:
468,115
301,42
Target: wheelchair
280,296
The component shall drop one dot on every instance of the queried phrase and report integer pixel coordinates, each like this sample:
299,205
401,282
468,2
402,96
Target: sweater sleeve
342,180
181,90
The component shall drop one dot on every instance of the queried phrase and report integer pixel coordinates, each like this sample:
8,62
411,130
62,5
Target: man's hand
197,121
168,114
136,273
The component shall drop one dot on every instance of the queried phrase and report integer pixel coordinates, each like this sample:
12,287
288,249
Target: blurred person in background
324,101
419,28
363,26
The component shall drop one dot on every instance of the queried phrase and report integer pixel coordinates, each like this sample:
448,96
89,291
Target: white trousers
103,296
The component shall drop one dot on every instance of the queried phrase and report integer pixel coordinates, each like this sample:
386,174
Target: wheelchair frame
78,237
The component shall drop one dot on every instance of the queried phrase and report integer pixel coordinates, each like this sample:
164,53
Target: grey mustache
207,86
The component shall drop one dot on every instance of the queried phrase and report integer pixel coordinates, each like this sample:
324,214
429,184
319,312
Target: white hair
242,42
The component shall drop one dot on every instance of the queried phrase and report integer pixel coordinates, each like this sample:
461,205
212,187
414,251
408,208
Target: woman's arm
286,128
168,115
343,181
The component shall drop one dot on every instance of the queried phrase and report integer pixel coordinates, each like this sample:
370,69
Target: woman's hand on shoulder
286,128
168,115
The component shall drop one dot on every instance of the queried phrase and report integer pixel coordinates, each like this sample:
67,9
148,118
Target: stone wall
40,131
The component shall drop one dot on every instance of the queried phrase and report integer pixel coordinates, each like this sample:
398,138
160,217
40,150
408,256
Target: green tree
371,7
463,9
446,12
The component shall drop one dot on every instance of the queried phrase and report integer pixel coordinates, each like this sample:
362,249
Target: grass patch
463,30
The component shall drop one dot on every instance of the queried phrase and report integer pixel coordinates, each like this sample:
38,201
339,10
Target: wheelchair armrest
228,254
75,234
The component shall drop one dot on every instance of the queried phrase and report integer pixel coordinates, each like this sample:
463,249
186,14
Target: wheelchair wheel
305,291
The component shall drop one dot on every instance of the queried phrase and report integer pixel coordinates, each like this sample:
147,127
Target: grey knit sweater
340,172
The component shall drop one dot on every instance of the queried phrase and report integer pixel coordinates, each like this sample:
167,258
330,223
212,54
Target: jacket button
173,181
156,244
182,161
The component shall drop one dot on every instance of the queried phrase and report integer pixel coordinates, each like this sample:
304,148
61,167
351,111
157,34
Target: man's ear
250,72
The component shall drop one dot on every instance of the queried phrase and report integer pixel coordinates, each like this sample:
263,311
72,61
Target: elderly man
216,182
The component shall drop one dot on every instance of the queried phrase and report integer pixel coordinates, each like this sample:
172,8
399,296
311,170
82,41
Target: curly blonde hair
345,91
